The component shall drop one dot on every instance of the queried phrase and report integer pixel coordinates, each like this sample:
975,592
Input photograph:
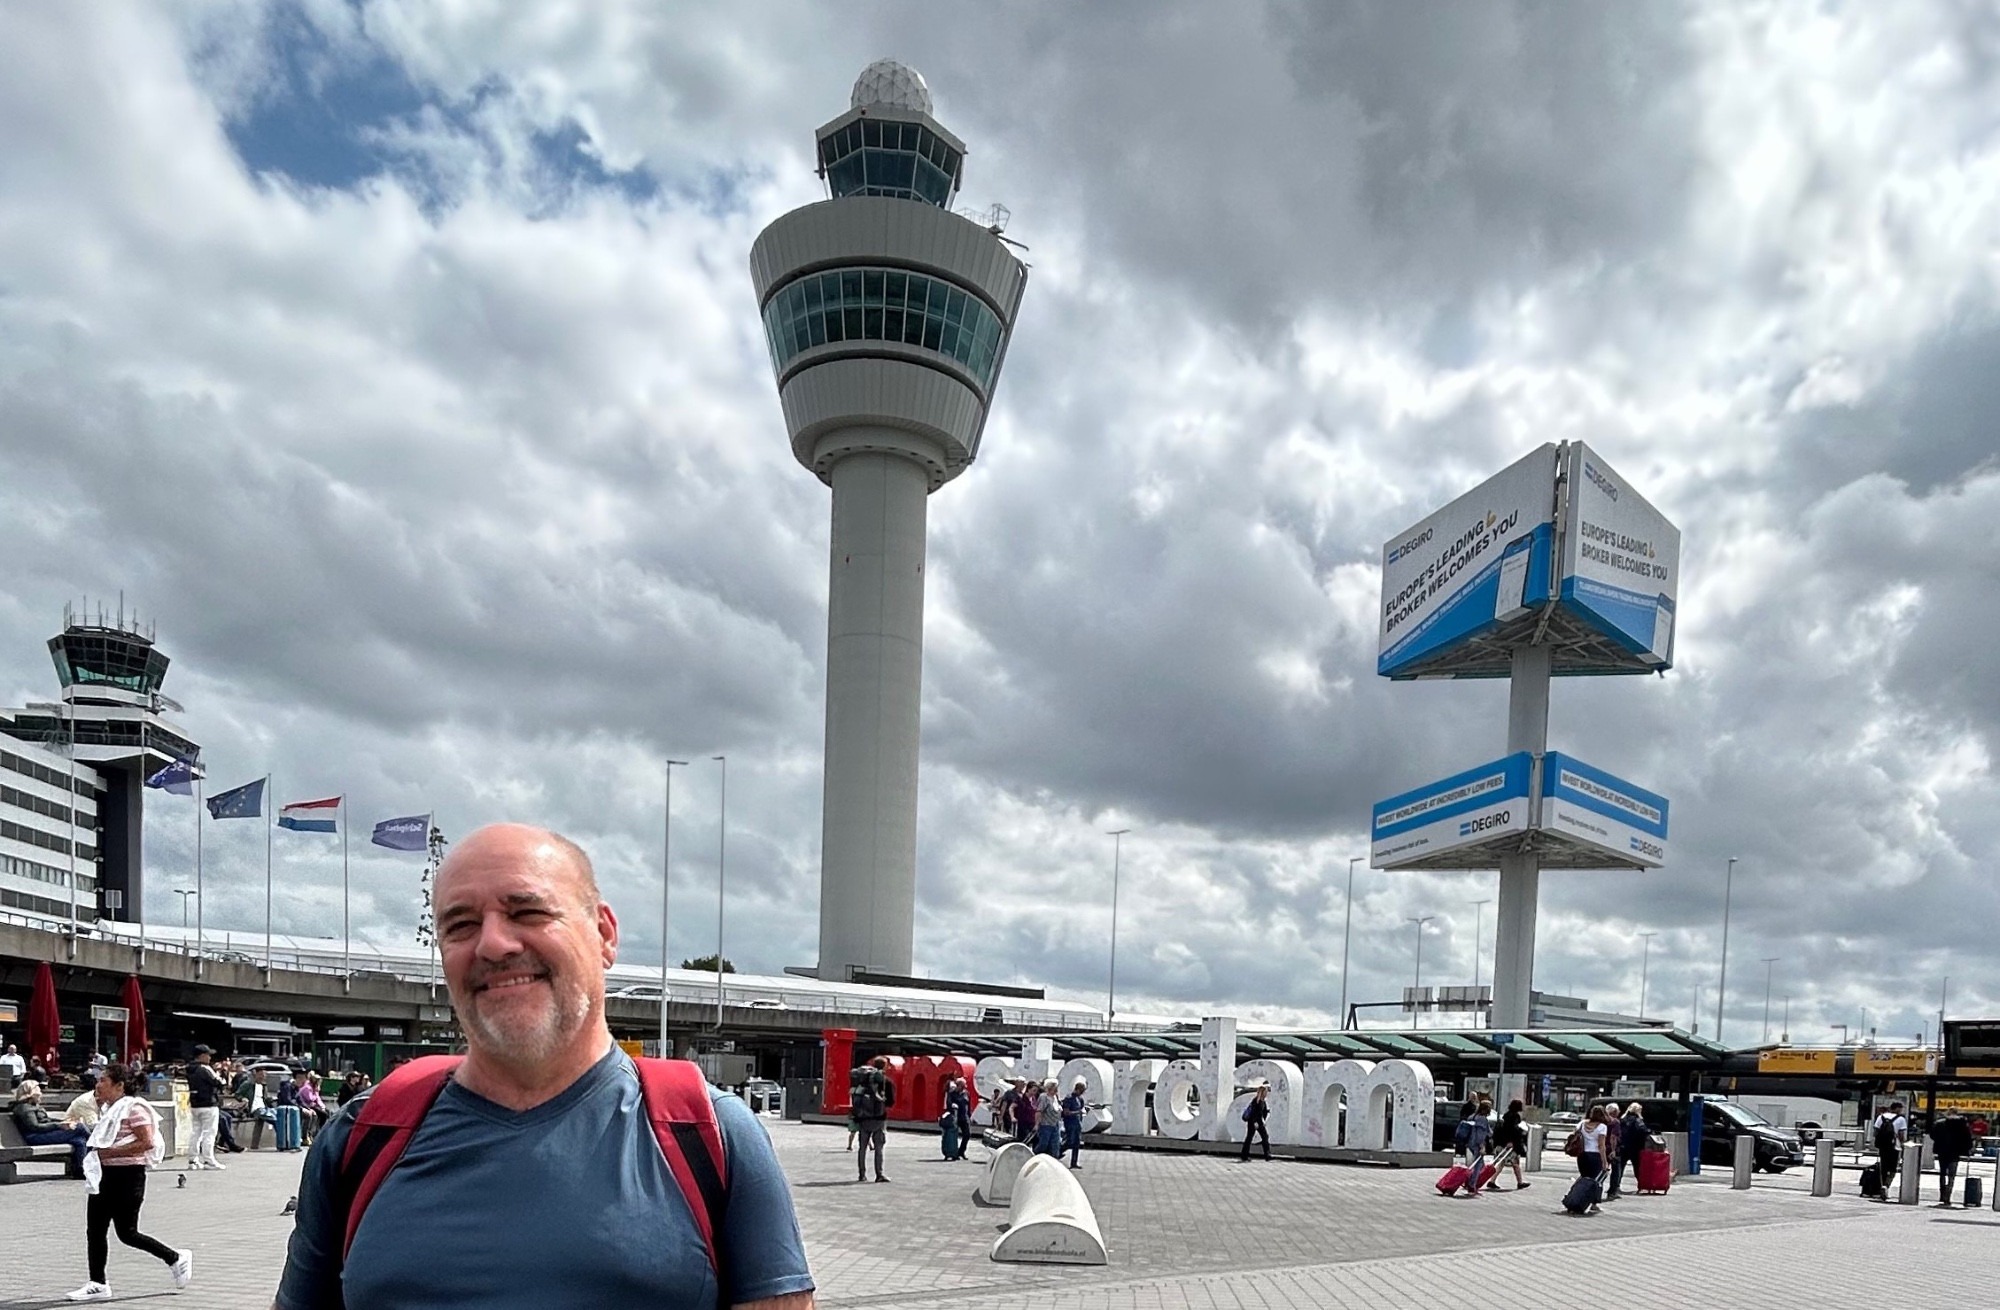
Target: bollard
1910,1175
1536,1135
1746,1162
1677,1151
1822,1184
1050,1220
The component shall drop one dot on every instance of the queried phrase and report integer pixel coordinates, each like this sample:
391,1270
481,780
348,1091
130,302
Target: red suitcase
1656,1171
1458,1175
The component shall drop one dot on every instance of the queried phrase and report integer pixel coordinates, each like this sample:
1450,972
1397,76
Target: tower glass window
871,157
883,304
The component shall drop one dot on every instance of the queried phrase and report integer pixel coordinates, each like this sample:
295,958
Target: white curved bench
1005,1165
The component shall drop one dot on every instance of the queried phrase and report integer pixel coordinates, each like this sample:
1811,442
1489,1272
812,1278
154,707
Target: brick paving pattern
1184,1232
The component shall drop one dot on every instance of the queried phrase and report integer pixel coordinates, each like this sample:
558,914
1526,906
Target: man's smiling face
525,942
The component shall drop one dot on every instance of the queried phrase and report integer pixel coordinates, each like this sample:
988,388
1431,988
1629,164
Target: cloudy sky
400,360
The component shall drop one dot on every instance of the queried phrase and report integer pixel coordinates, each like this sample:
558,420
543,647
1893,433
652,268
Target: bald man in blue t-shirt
536,1179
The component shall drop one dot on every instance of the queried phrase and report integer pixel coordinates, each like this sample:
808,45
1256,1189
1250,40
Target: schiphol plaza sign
1593,573
1579,816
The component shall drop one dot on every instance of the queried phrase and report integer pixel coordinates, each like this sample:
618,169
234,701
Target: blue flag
177,777
407,834
245,802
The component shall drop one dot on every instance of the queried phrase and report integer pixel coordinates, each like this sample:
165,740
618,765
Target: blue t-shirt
569,1203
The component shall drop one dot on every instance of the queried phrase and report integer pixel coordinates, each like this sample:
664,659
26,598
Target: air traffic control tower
888,317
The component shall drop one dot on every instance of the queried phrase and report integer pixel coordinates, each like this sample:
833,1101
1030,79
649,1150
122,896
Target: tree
706,963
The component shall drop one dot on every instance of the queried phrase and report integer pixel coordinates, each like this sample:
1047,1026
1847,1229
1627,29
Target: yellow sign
1988,1106
1790,1061
1976,1071
633,1049
1869,1060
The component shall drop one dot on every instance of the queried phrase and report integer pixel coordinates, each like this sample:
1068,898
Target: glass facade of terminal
884,304
869,157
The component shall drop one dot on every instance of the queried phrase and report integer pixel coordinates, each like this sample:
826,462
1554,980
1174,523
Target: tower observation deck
888,318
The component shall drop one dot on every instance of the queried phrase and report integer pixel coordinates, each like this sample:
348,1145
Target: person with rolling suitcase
1889,1128
1588,1143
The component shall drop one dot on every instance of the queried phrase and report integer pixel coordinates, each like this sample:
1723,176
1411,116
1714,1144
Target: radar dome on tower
891,83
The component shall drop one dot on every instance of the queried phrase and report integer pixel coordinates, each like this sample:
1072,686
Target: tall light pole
1419,986
1769,961
1722,983
1478,931
1111,988
184,893
1645,958
1786,1034
1347,940
666,878
721,883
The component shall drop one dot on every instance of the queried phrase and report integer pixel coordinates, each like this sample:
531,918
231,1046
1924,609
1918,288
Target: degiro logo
1603,483
1404,548
1489,820
1648,848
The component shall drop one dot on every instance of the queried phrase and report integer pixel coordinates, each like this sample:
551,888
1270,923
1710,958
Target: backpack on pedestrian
868,1099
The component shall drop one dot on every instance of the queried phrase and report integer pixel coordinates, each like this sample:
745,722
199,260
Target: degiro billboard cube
1603,812
1621,560
1483,559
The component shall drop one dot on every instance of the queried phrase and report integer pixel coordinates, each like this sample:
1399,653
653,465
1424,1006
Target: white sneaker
183,1269
91,1292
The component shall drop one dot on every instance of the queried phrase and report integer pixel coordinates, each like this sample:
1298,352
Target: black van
1722,1122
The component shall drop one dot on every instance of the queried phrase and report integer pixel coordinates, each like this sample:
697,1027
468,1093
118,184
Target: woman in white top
123,1145
1590,1162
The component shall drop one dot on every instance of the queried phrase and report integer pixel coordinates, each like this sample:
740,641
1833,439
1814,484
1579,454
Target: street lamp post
1347,939
666,877
1722,983
1111,988
1419,985
721,882
1769,961
1478,931
1645,958
184,893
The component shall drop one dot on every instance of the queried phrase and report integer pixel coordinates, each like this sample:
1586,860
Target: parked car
638,992
1722,1122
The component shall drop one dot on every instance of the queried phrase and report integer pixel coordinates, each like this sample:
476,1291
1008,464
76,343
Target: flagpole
199,904
346,966
266,798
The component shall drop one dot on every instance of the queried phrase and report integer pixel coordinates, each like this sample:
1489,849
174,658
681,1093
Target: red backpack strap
683,1120
390,1115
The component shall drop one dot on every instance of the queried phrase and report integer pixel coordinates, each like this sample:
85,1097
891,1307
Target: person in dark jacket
1073,1107
1027,1112
1631,1141
1512,1137
1951,1140
958,1104
871,1094
38,1128
1255,1116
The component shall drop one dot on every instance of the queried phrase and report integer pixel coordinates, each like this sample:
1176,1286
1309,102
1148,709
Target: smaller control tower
111,673
888,317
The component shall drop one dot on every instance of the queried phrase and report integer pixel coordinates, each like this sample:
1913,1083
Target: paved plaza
1183,1231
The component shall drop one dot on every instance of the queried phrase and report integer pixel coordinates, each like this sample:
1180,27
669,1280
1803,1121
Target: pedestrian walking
1632,1135
1048,1121
871,1096
1510,1142
1478,1136
958,1104
1027,1117
125,1143
1590,1141
1256,1112
1951,1141
1614,1157
1890,1130
1073,1107
205,1092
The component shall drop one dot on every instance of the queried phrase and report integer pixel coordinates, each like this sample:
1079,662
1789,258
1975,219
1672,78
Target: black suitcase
1871,1181
1582,1195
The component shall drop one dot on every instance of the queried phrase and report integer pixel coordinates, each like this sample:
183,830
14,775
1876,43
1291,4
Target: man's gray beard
542,1037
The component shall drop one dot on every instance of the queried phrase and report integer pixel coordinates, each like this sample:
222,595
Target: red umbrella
135,1024
44,1024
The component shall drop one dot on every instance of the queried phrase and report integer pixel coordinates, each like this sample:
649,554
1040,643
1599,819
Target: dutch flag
311,816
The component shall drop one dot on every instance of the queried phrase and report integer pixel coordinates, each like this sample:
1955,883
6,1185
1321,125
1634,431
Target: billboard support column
1521,874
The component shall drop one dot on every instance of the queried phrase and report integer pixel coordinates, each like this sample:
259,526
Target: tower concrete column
874,683
1521,874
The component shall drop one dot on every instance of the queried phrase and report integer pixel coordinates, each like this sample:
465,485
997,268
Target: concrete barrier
1002,1169
1538,1138
1050,1221
1745,1162
1910,1178
1822,1183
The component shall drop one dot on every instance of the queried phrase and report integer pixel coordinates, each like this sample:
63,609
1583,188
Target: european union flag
412,833
245,802
177,777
